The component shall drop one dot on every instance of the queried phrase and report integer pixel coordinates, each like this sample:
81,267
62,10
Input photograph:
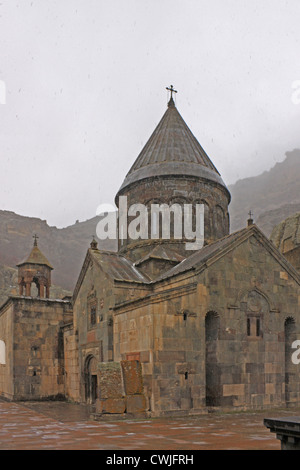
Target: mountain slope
65,248
9,285
272,190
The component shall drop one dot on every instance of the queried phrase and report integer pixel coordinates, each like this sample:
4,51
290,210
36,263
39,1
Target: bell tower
36,269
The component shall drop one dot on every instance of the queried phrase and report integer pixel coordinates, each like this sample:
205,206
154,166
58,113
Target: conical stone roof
36,257
172,150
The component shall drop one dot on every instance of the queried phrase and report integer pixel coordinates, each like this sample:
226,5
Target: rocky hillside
9,285
271,196
65,248
8,282
286,235
269,219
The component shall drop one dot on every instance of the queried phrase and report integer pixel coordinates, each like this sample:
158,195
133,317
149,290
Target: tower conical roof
172,150
36,257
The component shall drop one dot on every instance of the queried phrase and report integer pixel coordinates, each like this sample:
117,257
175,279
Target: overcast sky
86,85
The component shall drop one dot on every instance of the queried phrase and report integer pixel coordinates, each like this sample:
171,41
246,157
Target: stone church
154,329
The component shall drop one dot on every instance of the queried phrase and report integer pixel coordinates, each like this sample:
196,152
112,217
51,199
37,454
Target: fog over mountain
271,196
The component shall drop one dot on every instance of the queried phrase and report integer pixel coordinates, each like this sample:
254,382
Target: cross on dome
171,89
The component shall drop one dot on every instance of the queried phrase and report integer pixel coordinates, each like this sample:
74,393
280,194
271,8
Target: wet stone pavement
63,426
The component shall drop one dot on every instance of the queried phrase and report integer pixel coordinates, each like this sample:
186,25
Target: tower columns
28,289
47,292
41,290
35,269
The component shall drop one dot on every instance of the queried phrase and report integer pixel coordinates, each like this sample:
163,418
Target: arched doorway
91,380
212,369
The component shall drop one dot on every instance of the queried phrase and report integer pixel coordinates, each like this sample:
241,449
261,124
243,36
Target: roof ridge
213,247
236,236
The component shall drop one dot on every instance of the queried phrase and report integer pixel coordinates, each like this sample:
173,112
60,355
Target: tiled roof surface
172,150
163,253
36,257
200,257
118,267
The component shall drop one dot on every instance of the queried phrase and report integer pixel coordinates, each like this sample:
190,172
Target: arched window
2,353
219,221
207,218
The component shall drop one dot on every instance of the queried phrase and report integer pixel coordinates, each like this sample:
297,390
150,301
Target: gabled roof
36,257
161,252
214,251
172,150
118,267
115,265
122,269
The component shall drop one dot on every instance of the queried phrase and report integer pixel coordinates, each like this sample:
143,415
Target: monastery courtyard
64,426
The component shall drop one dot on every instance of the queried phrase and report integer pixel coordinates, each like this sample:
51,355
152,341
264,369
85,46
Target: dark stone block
287,431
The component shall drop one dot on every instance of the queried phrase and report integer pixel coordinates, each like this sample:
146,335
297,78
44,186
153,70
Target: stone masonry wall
6,369
71,365
38,348
252,299
184,190
95,339
133,339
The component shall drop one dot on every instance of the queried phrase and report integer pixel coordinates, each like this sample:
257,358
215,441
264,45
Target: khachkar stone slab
133,381
111,396
110,380
287,431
